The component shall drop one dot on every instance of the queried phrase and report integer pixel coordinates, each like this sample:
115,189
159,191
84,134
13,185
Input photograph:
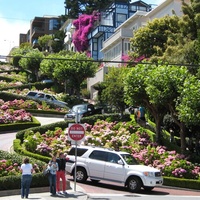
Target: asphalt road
6,139
104,188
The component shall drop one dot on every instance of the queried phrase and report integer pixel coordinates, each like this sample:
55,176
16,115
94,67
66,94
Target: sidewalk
34,194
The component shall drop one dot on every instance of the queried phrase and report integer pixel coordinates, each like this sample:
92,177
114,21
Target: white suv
105,164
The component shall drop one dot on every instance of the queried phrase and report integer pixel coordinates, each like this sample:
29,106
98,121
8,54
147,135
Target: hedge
19,125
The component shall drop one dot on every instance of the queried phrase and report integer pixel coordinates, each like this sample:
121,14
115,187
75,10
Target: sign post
76,132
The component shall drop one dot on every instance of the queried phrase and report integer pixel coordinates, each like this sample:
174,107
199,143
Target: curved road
6,138
103,189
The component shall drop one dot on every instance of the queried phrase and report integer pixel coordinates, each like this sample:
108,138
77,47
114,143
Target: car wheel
148,189
134,184
95,181
81,175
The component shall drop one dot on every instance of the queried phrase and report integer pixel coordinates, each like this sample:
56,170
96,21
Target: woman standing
27,170
53,167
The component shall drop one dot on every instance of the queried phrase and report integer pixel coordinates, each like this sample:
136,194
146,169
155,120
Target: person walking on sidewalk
60,174
53,168
26,178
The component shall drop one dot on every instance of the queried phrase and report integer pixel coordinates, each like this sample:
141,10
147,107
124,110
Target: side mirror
120,162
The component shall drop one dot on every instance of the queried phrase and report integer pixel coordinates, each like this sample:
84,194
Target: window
99,155
121,17
40,95
112,157
32,94
80,152
54,24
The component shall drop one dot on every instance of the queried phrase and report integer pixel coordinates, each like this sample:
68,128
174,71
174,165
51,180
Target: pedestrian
142,114
26,178
53,168
60,174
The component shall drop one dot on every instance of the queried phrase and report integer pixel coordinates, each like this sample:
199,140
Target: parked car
46,97
47,81
116,166
83,110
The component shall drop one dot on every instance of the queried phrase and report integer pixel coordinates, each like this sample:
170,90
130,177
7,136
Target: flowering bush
28,104
51,142
118,136
12,116
169,162
8,168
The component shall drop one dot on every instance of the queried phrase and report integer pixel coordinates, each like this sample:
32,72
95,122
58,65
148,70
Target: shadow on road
107,187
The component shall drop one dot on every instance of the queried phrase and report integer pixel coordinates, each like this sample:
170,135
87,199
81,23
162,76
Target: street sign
76,132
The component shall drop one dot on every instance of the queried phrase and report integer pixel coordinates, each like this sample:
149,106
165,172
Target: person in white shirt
26,178
53,168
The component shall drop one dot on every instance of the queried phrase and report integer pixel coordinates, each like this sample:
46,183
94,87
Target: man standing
60,174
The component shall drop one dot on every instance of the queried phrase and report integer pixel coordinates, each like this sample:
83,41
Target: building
114,47
40,26
68,28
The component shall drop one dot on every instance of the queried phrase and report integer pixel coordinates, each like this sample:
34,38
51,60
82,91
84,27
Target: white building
118,44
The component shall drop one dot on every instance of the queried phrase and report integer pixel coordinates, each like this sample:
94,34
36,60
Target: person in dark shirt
60,174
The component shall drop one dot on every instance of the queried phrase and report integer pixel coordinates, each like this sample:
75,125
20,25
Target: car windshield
129,159
79,108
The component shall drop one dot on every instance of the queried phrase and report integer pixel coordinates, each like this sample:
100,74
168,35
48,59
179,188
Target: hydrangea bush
8,168
120,136
12,116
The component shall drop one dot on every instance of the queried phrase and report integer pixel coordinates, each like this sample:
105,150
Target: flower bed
10,164
120,136
8,115
28,105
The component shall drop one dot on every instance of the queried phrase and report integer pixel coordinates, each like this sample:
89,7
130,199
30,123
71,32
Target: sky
15,17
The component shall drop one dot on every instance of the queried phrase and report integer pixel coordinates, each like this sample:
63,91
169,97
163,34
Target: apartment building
117,44
40,26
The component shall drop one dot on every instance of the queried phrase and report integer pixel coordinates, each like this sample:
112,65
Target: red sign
76,132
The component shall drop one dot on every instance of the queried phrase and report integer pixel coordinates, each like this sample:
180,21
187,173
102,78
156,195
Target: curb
4,193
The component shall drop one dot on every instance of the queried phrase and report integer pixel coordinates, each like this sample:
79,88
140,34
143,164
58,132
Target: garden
120,136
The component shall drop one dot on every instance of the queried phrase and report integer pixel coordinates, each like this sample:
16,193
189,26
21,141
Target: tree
76,7
57,43
189,106
164,86
150,41
113,93
185,48
17,53
44,42
136,94
31,62
70,69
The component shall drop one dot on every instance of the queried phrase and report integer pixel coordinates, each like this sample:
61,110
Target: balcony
118,35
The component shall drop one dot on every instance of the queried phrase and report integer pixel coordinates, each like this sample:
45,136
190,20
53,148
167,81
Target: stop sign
76,132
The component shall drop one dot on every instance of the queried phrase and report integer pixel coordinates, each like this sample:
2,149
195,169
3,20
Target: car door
96,164
113,170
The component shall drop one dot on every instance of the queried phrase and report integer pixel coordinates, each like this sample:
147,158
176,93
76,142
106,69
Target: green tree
17,53
184,48
57,43
31,62
150,40
70,69
113,93
77,7
48,64
44,42
136,94
189,106
164,86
